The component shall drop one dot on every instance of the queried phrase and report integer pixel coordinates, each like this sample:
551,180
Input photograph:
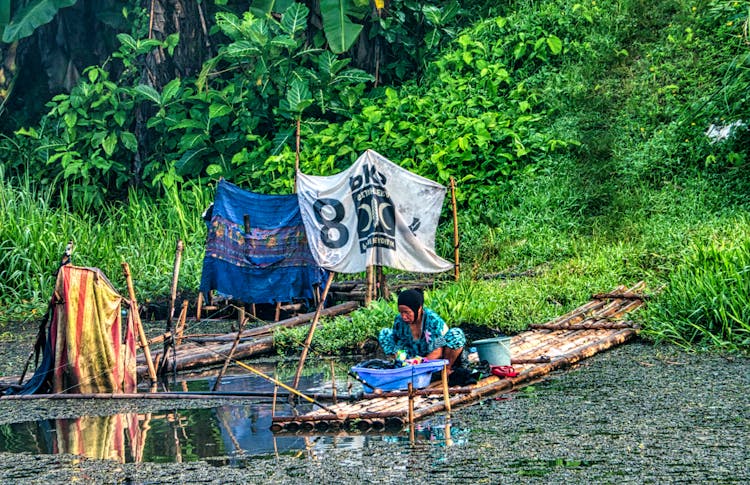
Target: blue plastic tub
398,379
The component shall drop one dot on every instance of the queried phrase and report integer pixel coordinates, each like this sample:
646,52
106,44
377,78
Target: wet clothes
435,334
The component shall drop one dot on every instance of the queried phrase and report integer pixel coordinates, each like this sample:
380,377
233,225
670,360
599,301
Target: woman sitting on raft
420,332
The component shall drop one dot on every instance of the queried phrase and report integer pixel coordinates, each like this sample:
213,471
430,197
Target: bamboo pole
217,382
446,395
180,330
175,278
138,323
284,386
136,396
170,315
455,230
411,412
385,293
368,284
333,382
199,306
310,333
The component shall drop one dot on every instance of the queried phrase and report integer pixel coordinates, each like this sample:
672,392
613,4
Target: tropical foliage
594,144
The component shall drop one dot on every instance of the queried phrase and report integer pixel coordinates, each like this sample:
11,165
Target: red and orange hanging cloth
91,353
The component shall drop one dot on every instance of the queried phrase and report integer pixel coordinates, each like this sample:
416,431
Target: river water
634,414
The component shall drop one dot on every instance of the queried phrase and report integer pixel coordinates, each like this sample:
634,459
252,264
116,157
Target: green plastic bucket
496,351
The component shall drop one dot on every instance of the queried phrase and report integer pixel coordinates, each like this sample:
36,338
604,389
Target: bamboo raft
592,328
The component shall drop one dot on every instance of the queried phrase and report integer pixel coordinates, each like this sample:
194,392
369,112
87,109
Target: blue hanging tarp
270,263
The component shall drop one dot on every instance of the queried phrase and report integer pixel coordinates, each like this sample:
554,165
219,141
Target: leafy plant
27,16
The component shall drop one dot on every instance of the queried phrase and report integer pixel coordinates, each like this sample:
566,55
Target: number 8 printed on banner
329,213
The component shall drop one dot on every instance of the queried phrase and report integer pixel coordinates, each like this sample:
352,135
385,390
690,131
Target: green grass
35,230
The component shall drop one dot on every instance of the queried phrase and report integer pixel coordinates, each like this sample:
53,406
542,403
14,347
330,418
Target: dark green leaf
127,41
33,15
218,110
242,48
148,92
229,24
109,144
129,141
354,76
170,90
282,139
294,19
191,161
340,31
298,96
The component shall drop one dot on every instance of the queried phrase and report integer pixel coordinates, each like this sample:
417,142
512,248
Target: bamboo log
215,355
287,323
586,326
333,418
627,295
138,323
542,359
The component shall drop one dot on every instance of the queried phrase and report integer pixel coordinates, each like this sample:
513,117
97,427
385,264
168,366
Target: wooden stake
217,382
333,382
275,394
181,322
455,229
368,284
446,394
170,315
175,277
199,307
310,333
138,324
411,412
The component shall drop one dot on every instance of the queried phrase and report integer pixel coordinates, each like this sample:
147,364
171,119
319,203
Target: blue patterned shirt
433,334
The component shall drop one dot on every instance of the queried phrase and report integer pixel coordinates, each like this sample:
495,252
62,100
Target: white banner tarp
374,213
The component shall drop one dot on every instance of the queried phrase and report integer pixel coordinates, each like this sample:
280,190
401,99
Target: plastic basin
398,379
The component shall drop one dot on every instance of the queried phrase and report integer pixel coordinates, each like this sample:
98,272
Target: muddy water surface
635,414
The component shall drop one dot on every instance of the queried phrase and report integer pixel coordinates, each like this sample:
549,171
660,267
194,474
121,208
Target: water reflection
228,434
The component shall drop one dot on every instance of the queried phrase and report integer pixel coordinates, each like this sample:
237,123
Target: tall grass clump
36,225
706,303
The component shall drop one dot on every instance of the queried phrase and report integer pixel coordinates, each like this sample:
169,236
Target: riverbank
634,414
